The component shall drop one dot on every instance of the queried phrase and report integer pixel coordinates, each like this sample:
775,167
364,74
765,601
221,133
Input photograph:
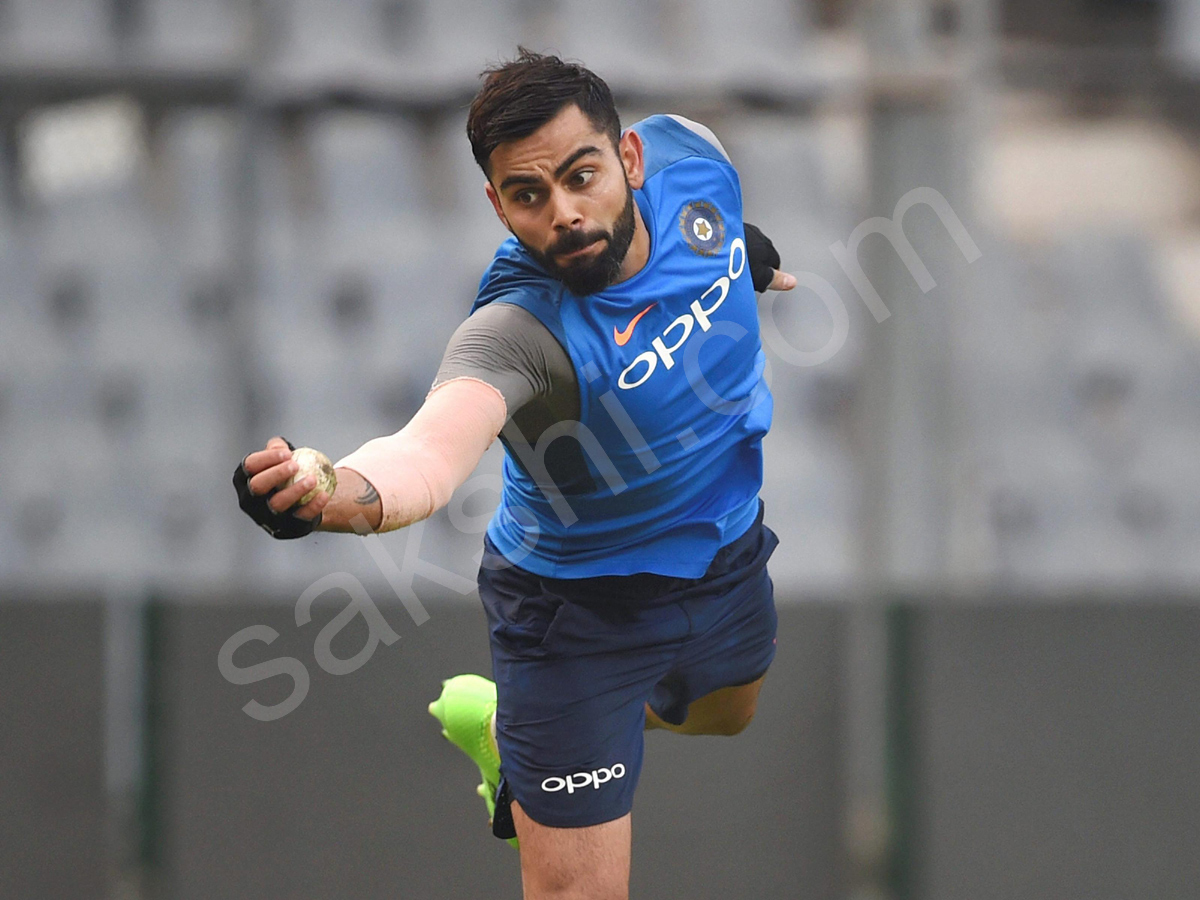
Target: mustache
577,240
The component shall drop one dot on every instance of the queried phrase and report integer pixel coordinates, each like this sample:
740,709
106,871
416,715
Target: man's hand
763,259
259,480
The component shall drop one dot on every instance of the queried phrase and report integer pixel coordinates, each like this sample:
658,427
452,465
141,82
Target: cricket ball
314,462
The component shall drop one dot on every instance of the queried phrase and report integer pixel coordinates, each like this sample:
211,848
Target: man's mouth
582,251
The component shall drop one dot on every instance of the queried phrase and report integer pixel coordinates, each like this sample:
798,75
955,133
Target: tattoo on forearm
368,497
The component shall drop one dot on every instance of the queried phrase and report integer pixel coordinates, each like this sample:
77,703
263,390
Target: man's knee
734,722
589,863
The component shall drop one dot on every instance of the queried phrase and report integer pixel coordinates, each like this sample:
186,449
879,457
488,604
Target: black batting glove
282,526
761,256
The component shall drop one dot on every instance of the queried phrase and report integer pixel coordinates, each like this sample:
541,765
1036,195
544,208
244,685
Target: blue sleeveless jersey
673,405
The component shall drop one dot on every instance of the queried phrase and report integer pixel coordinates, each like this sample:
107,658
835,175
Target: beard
588,276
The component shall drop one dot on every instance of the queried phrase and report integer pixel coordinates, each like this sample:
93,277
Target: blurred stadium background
226,219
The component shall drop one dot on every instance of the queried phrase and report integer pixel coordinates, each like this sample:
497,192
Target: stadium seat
286,310
367,168
187,441
116,297
339,36
190,518
810,503
59,30
65,508
359,311
103,455
756,33
1072,377
623,42
49,317
197,32
763,146
202,155
200,254
468,36
26,334
361,275
460,184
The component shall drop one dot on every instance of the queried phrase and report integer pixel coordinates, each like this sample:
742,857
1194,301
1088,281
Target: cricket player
613,347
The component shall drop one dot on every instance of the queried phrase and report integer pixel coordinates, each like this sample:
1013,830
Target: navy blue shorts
576,661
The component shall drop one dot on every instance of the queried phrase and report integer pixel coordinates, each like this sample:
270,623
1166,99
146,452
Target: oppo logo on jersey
643,366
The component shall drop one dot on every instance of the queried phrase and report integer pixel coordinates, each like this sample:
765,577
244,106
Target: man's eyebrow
513,180
572,159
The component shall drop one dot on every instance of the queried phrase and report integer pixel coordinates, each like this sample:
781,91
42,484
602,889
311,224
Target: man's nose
565,215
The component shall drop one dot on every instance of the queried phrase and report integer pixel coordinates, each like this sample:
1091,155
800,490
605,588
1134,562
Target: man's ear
495,198
631,150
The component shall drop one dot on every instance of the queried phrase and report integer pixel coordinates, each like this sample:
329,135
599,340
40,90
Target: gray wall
1056,752
356,793
52,804
1051,754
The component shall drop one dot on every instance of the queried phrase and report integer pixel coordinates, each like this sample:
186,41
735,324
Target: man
613,346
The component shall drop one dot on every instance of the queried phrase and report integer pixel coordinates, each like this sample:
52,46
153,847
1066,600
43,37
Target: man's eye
583,176
526,198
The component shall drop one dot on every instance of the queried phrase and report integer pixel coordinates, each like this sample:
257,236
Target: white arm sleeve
416,469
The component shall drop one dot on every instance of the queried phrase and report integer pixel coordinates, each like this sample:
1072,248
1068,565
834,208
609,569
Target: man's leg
590,863
726,711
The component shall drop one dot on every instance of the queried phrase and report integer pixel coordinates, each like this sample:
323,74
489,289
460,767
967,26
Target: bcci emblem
703,228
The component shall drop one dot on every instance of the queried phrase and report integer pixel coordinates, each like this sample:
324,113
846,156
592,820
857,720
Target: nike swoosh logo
622,337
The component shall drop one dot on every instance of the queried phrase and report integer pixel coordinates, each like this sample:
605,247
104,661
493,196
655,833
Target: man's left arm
761,255
764,262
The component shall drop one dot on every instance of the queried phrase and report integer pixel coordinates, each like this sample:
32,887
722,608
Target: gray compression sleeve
507,347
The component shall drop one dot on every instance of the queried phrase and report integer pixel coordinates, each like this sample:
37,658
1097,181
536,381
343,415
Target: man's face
567,195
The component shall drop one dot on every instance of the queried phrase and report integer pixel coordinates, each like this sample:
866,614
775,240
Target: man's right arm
354,496
387,483
497,362
405,477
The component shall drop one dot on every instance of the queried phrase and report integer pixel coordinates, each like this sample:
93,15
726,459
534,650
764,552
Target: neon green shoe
465,710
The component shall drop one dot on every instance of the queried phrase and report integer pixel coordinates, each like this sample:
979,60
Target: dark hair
519,97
